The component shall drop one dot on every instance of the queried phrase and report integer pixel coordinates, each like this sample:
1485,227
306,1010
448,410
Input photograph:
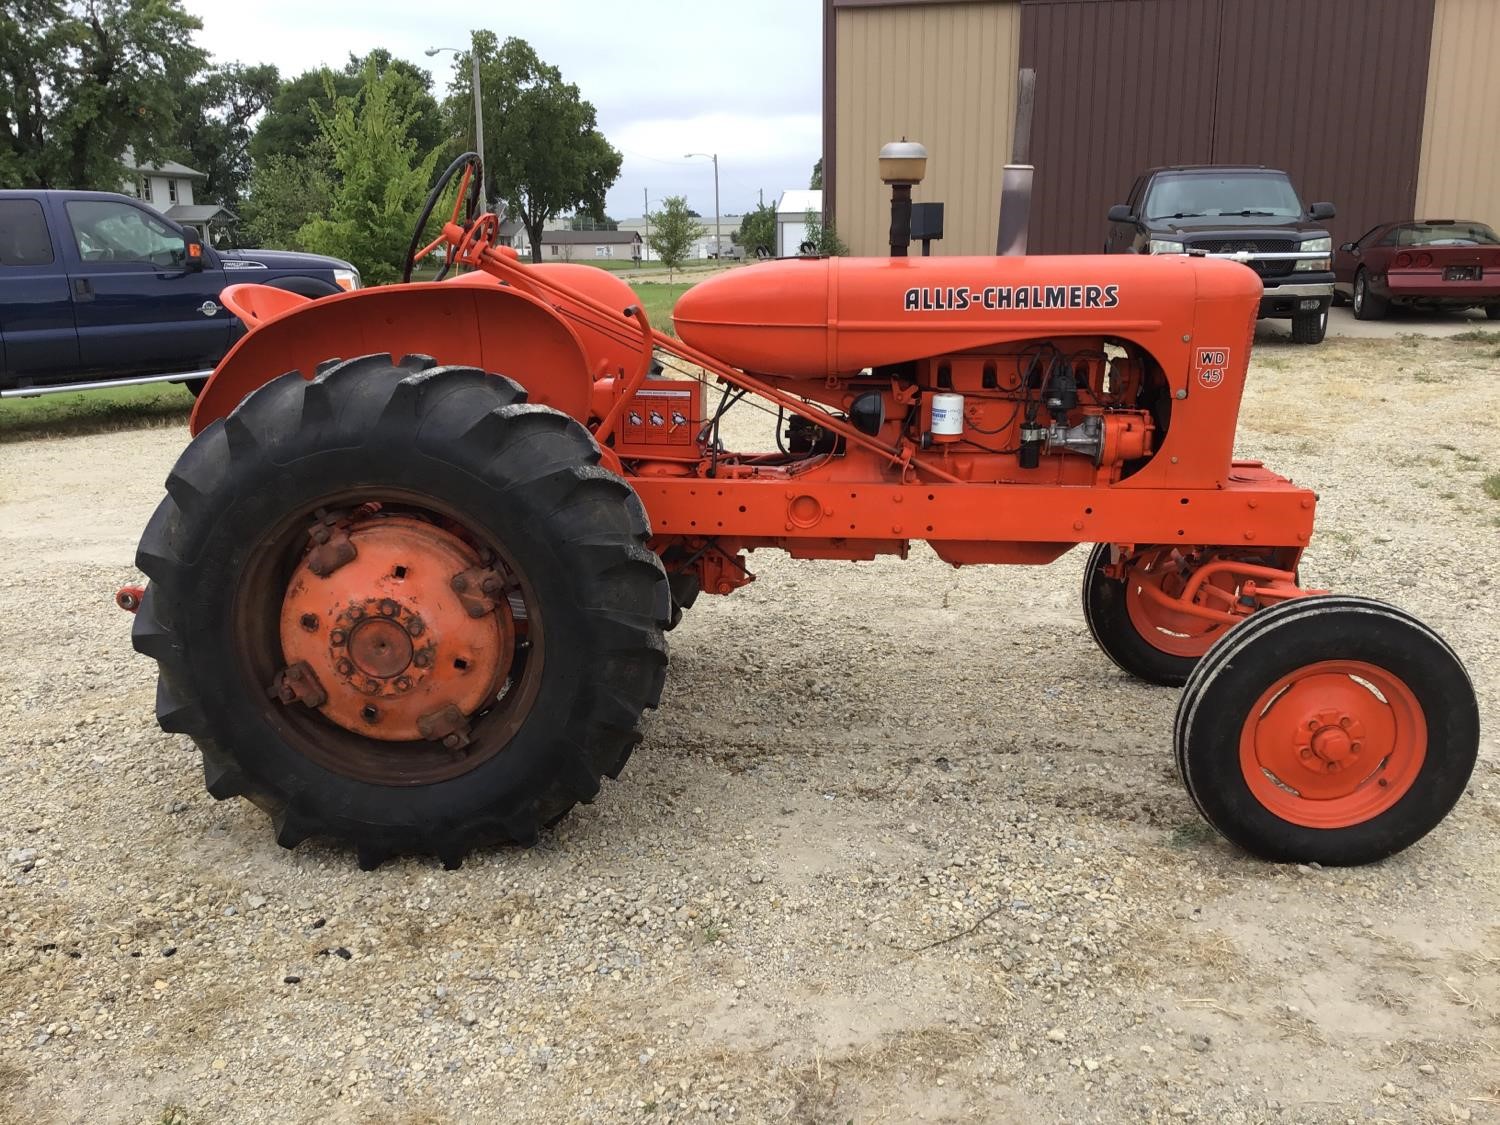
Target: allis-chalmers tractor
410,581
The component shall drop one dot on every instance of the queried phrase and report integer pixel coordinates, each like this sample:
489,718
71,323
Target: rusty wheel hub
393,628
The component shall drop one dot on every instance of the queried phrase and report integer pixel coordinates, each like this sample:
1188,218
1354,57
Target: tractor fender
495,328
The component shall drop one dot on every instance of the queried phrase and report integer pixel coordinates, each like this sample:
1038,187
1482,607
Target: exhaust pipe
1015,210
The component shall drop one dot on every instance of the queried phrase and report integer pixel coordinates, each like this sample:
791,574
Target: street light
718,237
478,112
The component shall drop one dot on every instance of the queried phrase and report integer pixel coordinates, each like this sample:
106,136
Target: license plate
1461,273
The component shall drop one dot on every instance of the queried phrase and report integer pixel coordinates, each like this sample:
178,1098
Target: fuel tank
810,317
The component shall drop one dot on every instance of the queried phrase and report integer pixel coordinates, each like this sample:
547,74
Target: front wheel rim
1333,744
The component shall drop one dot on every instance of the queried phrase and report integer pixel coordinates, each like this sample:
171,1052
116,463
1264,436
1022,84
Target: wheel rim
1333,744
1359,293
1178,634
392,642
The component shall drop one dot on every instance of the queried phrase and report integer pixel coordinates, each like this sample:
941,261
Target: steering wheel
466,203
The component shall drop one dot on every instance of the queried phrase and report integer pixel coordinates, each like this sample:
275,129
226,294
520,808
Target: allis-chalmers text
960,297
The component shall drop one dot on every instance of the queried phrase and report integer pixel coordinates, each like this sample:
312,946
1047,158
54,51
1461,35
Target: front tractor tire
402,608
1133,629
1328,729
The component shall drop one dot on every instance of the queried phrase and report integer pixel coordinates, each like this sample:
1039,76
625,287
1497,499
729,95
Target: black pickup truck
1250,214
96,286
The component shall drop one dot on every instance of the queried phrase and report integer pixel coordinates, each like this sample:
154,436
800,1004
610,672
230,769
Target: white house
169,188
791,219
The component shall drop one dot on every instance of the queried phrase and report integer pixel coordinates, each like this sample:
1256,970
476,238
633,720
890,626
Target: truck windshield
1231,193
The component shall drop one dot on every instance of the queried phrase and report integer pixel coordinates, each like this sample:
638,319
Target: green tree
83,80
673,232
285,195
290,125
543,152
381,177
824,237
815,183
757,229
215,125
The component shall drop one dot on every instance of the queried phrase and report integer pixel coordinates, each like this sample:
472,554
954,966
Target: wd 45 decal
1212,365
958,298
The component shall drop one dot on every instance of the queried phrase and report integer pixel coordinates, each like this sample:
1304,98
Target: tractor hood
807,318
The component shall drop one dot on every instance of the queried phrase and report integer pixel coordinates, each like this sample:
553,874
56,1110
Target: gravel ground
900,845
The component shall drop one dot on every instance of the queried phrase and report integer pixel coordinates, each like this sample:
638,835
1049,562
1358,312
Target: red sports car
1435,263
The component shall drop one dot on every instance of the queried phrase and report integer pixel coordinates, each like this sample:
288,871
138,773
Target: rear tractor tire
1327,729
402,608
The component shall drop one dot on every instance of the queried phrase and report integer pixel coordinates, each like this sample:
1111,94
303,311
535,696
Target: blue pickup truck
96,286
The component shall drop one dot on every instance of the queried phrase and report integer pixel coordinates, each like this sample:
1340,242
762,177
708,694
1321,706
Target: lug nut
403,683
388,608
345,667
310,622
415,626
459,583
356,611
372,684
423,659
337,637
453,741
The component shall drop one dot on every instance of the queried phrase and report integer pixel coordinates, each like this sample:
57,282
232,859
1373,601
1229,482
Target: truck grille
1255,246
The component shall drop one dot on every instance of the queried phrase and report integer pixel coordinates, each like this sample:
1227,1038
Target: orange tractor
410,583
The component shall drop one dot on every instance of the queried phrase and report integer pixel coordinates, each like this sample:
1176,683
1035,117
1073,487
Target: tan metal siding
1460,164
942,74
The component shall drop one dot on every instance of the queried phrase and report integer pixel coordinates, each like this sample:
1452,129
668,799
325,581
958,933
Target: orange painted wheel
400,606
1165,572
1333,729
393,636
1133,620
1333,744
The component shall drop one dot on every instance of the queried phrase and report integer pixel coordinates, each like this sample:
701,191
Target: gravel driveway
900,845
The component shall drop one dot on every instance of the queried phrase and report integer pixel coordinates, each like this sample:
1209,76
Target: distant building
168,187
792,210
577,245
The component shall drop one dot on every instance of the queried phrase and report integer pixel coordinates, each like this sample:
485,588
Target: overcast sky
667,77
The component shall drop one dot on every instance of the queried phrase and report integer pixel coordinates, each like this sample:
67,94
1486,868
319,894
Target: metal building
1388,108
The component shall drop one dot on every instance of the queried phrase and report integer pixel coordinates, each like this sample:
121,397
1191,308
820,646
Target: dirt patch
900,845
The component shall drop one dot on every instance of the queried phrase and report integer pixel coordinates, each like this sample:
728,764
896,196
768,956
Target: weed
1193,834
173,1115
711,933
1475,336
1425,376
1491,486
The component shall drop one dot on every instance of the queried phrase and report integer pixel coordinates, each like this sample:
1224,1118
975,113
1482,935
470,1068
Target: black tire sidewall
1225,695
1107,615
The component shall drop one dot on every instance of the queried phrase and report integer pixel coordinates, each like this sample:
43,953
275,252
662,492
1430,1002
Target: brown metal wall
1121,85
1361,66
1332,91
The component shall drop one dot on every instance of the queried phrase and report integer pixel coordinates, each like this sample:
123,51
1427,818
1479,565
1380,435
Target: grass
659,297
89,412
1491,486
1476,336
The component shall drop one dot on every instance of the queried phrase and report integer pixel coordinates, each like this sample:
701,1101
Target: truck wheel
1145,639
1367,306
1492,311
1336,730
1310,327
400,607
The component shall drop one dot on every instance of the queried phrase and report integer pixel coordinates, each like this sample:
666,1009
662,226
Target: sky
666,76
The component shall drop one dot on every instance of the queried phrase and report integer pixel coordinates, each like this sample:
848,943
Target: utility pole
646,210
718,237
478,112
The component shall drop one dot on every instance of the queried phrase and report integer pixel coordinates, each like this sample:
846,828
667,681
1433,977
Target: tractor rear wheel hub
388,637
